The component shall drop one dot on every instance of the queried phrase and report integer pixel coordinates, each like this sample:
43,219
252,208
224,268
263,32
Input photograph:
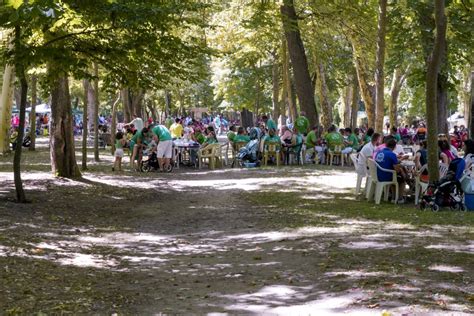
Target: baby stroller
152,164
447,192
250,152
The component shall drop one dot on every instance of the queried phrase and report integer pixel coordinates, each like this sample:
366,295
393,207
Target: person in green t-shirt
368,136
269,123
241,137
312,144
351,141
395,134
231,133
302,124
333,138
271,137
137,143
164,149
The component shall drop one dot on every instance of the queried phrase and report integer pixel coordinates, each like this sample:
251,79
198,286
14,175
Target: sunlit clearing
445,268
368,245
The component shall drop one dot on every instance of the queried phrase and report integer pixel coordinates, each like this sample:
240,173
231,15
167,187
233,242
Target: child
119,143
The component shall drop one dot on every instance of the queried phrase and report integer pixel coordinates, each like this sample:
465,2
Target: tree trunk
465,94
85,124
20,193
33,113
304,87
96,112
6,99
276,87
471,121
287,91
257,96
354,103
326,107
363,77
398,79
433,67
63,158
113,128
346,98
167,103
379,68
442,100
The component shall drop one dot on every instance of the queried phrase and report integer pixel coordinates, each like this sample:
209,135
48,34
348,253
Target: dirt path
229,241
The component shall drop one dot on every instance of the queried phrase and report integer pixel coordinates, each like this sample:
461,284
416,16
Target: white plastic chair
381,187
420,186
360,166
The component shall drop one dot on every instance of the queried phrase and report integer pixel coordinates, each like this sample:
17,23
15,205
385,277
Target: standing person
137,122
176,129
165,146
119,144
136,145
217,124
302,123
269,123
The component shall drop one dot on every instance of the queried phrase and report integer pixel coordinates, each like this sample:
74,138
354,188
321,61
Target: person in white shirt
369,148
137,122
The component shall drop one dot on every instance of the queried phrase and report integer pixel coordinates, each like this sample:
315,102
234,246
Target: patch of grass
346,206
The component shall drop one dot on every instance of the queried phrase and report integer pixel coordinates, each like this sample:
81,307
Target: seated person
387,159
333,138
210,139
314,144
350,141
421,159
14,137
272,137
395,134
241,136
368,149
231,133
286,135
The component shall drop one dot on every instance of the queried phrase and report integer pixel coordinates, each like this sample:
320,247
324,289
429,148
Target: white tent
41,109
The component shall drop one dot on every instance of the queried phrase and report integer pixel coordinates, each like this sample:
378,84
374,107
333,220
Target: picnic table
182,149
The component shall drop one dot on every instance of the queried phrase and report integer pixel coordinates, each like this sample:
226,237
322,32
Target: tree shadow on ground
239,241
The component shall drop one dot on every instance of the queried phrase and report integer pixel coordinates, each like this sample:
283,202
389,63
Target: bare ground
283,241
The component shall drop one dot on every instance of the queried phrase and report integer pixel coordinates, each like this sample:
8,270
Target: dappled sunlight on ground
194,241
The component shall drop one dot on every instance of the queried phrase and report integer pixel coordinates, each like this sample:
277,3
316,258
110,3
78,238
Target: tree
303,83
85,123
433,66
34,100
379,70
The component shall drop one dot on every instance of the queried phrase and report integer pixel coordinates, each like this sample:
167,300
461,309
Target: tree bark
363,78
398,79
275,87
304,87
471,116
6,98
20,193
379,69
326,107
346,98
287,91
96,112
354,103
63,157
442,100
85,124
465,94
433,67
34,100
